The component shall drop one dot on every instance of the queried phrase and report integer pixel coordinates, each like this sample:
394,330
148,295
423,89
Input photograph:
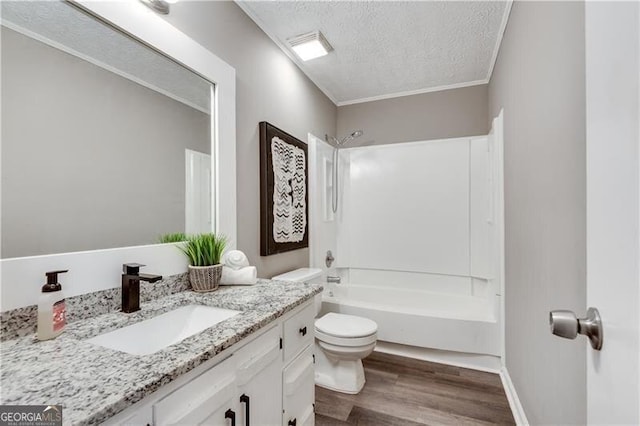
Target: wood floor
405,391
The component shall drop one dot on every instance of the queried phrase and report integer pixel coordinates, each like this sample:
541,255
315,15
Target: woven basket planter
204,279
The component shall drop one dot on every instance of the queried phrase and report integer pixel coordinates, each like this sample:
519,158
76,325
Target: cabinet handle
230,414
303,331
245,398
292,422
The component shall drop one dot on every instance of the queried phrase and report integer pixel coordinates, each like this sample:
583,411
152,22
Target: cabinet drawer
298,332
298,390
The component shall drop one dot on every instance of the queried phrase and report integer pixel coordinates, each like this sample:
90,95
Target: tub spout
333,279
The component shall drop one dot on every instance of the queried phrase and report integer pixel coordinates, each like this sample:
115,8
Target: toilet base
339,375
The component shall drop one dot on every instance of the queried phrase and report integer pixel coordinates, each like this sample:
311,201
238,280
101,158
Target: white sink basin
152,335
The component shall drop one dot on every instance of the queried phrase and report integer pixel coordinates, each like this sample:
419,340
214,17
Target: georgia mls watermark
30,415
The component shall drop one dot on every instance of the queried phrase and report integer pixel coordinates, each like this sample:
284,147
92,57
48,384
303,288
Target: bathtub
428,319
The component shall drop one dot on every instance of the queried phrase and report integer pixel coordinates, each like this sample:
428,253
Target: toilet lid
341,325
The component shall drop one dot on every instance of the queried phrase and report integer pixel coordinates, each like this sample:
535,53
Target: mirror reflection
105,142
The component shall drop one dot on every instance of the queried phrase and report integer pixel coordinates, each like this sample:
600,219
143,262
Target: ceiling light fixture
160,6
310,45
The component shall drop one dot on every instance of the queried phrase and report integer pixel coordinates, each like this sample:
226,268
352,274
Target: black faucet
131,286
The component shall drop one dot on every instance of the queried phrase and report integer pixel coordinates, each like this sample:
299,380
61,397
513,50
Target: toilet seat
346,341
346,330
345,326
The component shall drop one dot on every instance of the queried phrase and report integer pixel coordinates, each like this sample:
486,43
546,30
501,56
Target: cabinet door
225,415
299,390
134,416
259,379
204,400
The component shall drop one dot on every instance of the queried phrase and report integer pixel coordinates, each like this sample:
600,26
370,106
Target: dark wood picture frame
268,244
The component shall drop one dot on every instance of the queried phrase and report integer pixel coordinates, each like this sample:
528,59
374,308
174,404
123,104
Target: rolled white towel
235,259
243,276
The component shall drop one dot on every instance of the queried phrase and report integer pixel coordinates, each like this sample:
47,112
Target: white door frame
197,199
613,214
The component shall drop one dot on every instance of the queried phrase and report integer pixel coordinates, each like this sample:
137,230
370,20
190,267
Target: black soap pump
52,312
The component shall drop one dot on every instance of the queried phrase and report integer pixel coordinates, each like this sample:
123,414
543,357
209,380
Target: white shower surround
417,241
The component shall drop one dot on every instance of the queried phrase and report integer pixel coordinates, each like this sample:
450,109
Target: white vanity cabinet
267,381
231,393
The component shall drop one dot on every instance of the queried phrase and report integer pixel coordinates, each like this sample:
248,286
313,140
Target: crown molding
414,92
503,28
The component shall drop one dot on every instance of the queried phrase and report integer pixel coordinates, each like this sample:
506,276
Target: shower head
331,139
339,142
352,136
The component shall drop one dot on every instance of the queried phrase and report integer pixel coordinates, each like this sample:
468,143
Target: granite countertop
93,383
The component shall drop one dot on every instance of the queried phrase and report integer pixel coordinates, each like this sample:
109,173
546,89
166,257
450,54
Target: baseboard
512,397
488,363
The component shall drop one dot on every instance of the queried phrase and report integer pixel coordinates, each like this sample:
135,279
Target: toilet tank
303,275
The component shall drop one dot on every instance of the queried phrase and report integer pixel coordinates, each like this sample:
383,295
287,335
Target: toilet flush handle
303,330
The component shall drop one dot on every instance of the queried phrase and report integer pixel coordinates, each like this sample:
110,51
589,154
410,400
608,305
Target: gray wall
436,115
269,87
539,80
89,159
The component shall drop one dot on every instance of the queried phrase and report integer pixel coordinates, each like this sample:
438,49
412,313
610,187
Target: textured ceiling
62,24
389,48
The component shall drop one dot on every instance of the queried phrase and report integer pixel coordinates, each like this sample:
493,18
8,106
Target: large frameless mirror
105,142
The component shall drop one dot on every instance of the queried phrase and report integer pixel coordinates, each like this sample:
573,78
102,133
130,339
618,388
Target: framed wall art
284,200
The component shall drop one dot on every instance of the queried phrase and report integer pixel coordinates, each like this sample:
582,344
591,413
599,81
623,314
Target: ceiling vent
310,45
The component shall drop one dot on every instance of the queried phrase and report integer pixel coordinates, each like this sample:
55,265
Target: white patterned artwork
283,191
289,192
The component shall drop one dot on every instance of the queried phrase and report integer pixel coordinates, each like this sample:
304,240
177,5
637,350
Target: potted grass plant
204,252
176,237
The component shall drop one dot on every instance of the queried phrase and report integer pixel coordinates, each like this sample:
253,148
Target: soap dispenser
51,308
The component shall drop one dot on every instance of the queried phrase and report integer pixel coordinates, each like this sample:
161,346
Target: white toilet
342,341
